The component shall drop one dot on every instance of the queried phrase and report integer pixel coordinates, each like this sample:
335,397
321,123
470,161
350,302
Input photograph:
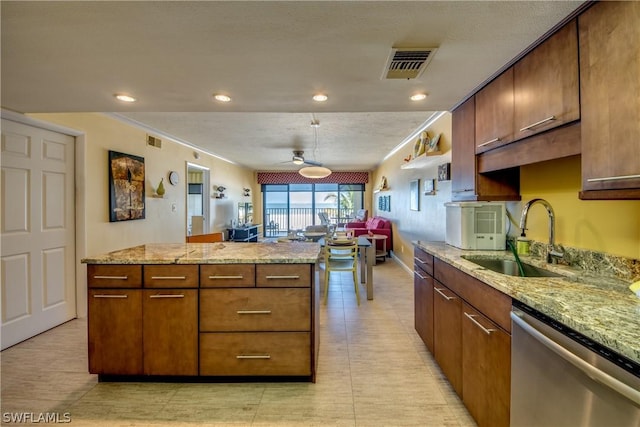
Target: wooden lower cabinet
208,320
471,338
486,367
447,334
423,295
115,331
255,354
170,330
423,306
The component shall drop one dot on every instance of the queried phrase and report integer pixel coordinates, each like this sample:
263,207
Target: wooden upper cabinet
610,89
546,88
463,159
466,182
494,113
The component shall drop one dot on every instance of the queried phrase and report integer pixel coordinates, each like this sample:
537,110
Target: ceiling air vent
407,63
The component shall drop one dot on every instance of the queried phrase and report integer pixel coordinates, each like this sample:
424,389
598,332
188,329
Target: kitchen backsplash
599,263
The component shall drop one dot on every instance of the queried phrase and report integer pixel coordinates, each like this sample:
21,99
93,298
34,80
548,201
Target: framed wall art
126,187
414,195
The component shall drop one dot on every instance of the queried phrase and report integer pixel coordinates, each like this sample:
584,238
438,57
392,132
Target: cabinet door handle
541,122
419,260
464,190
168,277
419,275
110,296
225,277
613,178
491,141
448,298
471,317
283,277
243,356
253,311
112,277
167,296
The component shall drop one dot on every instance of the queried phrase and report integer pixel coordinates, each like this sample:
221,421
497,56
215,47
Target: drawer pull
112,277
242,356
448,298
283,277
613,178
419,275
167,296
419,260
253,311
110,296
464,190
541,122
168,277
226,277
491,141
485,330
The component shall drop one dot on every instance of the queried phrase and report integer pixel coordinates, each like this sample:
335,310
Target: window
295,206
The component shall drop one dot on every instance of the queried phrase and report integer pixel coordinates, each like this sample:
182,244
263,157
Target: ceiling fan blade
312,163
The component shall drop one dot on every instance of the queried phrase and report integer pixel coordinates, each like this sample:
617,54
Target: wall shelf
426,160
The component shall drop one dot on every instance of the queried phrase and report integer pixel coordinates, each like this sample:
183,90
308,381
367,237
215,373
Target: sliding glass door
296,206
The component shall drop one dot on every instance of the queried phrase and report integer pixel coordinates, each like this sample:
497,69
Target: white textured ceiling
270,57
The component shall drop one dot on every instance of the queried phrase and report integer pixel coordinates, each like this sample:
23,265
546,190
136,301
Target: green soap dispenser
160,189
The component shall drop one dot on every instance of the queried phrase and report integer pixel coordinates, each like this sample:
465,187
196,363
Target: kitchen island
204,311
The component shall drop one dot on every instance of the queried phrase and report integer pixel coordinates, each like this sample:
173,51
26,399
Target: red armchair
377,225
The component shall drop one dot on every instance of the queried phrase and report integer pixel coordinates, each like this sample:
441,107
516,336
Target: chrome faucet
552,253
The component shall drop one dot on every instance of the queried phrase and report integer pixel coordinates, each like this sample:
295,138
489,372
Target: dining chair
341,258
206,238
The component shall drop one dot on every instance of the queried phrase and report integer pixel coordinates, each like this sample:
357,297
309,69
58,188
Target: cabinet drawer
227,275
171,276
423,260
489,301
264,353
114,276
283,275
225,310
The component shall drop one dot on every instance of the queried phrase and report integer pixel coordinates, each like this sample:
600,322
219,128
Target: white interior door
38,239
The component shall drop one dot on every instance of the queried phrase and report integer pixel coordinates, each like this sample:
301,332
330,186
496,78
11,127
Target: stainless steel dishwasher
561,378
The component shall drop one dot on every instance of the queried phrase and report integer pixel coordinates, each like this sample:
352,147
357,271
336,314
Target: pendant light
315,172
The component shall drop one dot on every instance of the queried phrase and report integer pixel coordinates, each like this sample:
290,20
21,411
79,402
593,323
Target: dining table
367,257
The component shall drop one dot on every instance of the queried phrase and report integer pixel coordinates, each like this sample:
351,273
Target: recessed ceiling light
222,98
320,97
418,97
124,98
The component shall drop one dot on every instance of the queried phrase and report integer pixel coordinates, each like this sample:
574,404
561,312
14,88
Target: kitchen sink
510,267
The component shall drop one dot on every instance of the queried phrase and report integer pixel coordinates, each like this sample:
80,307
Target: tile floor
373,371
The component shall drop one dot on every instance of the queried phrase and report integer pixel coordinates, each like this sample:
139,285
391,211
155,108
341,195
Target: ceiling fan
298,159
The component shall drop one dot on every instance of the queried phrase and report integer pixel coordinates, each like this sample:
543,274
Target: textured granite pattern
212,253
598,263
600,307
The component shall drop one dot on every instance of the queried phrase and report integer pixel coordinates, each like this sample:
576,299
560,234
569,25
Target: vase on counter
160,189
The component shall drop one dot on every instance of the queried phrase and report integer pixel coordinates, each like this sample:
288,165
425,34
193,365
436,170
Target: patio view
296,206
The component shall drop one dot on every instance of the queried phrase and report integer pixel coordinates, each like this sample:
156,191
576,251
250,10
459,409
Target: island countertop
601,308
212,253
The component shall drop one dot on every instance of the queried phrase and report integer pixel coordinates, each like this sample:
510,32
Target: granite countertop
212,253
601,308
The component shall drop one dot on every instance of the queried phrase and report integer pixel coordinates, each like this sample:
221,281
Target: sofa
375,224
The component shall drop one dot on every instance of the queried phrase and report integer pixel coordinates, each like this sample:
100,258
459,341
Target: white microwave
477,225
